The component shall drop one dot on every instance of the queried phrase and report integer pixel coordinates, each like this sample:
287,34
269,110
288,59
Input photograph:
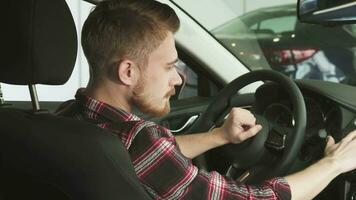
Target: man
130,48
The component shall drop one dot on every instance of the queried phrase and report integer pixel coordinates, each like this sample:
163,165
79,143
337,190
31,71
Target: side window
195,83
2,101
351,29
189,79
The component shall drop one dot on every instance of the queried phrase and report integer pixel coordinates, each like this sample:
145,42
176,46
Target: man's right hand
239,126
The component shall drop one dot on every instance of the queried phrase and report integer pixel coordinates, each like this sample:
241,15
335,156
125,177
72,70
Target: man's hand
342,153
339,158
239,126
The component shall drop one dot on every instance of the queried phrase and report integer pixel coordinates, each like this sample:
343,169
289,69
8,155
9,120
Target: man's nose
178,78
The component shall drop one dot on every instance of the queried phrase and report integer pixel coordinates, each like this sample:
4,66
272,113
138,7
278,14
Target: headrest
38,42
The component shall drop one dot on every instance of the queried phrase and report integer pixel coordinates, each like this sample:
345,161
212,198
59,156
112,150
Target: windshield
267,35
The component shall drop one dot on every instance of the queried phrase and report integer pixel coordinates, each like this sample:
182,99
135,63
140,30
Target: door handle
189,122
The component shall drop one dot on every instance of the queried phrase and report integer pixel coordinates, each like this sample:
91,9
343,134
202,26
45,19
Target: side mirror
327,11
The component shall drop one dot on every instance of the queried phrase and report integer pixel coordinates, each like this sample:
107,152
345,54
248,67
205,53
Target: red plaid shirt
161,167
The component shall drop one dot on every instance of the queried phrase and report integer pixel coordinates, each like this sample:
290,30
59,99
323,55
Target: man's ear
127,72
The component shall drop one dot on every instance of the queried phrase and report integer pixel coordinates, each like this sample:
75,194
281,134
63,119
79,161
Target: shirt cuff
281,187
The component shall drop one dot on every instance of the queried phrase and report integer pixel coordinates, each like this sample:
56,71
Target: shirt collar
101,111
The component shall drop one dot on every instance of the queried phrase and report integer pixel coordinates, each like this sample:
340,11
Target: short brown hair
125,29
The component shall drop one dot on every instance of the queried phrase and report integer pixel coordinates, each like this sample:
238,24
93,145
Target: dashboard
330,110
325,116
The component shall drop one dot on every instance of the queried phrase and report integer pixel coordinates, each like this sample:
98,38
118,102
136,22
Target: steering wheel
255,153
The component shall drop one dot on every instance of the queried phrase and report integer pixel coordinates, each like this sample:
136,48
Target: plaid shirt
161,167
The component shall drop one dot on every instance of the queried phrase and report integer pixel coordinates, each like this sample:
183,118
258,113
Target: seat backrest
43,156
52,157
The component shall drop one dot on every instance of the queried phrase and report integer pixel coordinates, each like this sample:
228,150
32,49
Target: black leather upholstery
43,156
51,157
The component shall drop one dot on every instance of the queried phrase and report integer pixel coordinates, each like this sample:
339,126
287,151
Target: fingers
330,142
343,152
243,117
250,132
348,141
240,125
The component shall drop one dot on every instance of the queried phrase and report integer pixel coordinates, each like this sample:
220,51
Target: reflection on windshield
268,35
317,67
242,41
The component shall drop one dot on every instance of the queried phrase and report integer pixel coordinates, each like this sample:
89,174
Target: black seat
43,156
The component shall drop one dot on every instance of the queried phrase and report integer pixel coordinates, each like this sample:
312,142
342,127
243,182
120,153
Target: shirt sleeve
167,174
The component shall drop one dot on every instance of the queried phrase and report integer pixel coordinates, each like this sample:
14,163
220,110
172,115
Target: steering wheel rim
217,107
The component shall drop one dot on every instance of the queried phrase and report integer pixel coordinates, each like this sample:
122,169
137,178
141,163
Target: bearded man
130,48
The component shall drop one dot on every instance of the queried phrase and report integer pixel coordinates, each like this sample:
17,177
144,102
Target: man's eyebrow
173,62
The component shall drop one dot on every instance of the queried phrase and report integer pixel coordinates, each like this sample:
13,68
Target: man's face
157,80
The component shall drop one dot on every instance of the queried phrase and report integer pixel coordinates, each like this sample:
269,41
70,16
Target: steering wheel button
276,140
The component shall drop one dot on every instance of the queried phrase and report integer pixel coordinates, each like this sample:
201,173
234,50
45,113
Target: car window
195,82
351,28
190,81
2,101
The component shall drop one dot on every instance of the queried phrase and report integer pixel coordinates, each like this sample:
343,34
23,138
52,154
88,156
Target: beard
144,102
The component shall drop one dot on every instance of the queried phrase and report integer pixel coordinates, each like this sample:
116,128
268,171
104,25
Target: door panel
186,109
181,111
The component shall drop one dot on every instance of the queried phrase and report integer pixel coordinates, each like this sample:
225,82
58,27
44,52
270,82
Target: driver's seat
43,156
